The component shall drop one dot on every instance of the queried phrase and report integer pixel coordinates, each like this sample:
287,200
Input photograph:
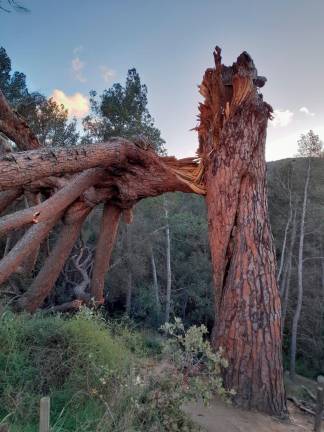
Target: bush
196,363
98,374
76,361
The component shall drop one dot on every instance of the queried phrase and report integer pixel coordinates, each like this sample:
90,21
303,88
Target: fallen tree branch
33,199
15,127
310,394
8,197
49,208
118,155
300,405
30,241
21,168
53,265
72,305
105,244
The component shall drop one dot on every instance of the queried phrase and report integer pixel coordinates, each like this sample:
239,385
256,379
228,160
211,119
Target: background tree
121,111
308,146
47,119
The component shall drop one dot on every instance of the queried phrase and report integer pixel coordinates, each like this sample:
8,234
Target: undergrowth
101,376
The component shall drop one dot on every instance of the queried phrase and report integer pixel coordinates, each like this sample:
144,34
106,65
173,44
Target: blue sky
70,47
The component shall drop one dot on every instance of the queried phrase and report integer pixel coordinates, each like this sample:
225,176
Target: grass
101,376
77,361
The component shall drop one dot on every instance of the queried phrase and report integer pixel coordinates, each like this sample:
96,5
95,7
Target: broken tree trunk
230,169
232,133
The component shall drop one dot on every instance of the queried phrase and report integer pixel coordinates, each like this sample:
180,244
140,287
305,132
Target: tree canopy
121,111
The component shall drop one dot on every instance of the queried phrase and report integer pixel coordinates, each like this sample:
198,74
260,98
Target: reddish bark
49,273
248,313
105,244
26,245
58,202
32,199
15,127
121,158
8,197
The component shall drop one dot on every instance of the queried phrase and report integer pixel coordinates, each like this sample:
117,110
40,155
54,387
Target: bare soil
220,417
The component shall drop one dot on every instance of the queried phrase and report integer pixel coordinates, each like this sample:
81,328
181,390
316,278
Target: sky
67,48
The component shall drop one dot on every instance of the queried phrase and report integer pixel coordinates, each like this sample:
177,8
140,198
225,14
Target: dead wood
105,244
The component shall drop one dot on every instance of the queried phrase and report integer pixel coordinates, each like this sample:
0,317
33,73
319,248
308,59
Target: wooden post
44,415
319,404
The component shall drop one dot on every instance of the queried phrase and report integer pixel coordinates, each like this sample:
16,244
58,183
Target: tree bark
8,197
294,330
119,155
54,205
232,133
26,245
105,244
15,127
49,273
33,199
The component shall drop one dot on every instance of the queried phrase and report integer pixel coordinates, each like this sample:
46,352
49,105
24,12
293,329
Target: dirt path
219,417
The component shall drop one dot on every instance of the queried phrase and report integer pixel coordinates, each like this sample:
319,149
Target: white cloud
282,118
77,50
306,111
107,74
77,69
77,104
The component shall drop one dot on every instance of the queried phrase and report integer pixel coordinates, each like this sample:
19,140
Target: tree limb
47,276
30,241
15,127
8,197
105,244
49,208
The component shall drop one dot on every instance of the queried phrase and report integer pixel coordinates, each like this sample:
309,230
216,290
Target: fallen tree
229,171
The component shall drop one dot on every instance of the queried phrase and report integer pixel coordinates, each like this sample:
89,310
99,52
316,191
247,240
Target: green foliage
13,85
141,342
98,374
189,371
194,359
121,111
192,293
48,120
76,361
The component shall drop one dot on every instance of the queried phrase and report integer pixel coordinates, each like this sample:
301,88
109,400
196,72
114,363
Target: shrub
96,374
76,361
